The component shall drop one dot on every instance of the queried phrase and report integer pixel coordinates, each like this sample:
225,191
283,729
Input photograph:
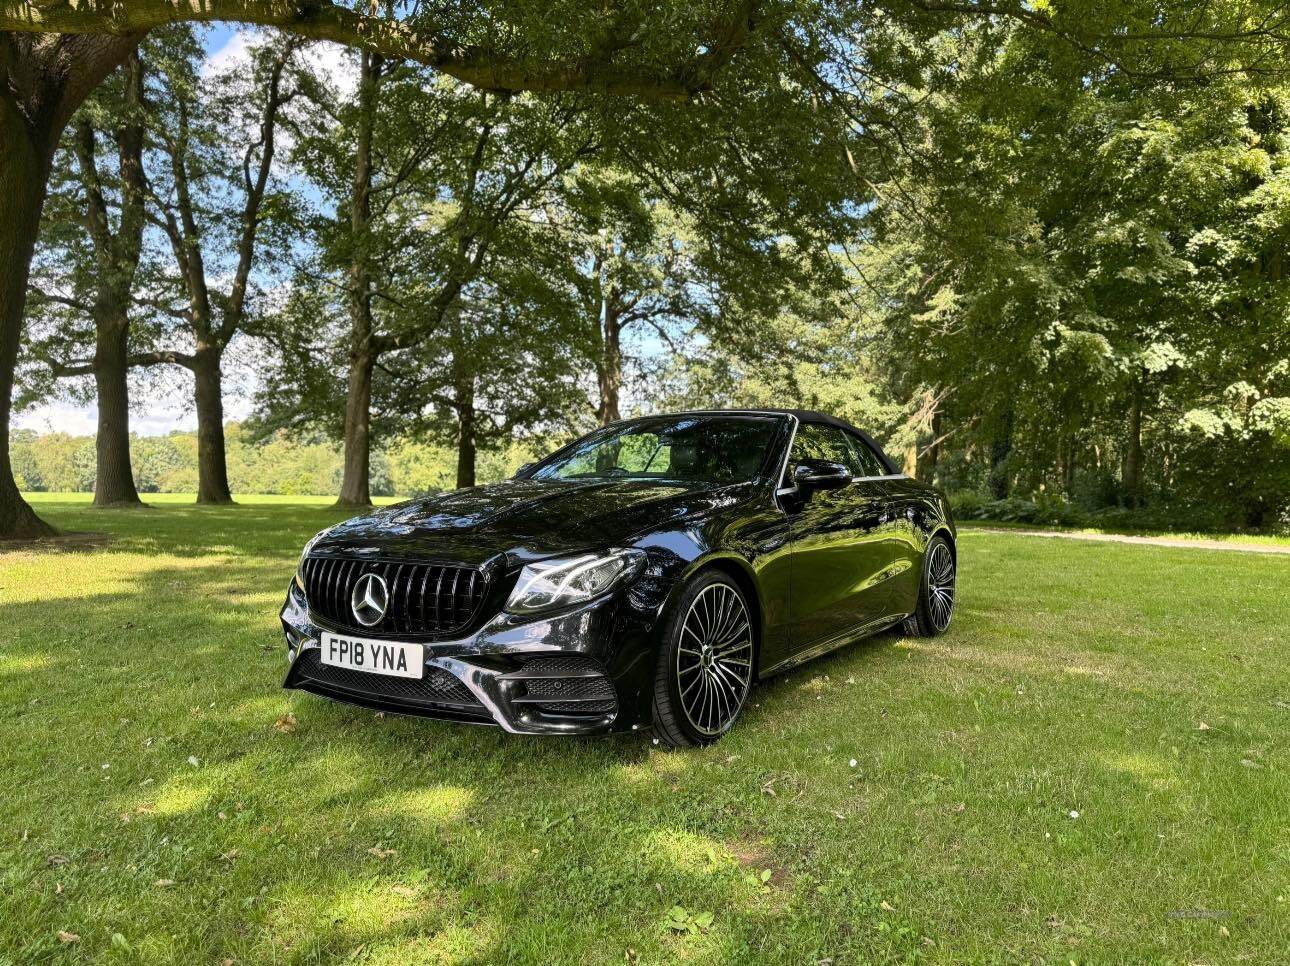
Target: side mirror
524,468
820,475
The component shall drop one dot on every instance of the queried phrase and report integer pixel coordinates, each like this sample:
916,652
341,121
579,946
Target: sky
166,404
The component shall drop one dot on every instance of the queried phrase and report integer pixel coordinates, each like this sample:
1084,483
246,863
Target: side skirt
867,629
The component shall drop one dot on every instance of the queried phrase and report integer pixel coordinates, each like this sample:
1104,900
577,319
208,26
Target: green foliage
1062,255
681,920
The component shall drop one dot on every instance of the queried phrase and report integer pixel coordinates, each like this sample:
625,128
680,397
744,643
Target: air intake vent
422,600
565,684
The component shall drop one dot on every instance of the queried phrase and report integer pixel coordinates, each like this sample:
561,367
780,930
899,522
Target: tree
499,367
213,202
1072,270
53,56
85,285
614,260
46,78
828,58
425,176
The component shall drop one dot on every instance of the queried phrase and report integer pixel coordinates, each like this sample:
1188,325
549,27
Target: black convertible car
643,576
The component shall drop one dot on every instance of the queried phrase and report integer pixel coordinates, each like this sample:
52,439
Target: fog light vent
565,684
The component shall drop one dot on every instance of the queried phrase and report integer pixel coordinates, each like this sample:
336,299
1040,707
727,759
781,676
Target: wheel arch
943,530
741,573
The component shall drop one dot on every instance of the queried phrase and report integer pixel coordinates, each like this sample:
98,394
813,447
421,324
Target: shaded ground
1091,765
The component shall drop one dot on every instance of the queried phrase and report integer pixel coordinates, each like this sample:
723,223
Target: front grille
437,687
425,600
566,684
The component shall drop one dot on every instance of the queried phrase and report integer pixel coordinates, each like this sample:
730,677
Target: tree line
282,463
1037,249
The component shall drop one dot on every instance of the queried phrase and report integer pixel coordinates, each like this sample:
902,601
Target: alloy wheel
714,658
940,585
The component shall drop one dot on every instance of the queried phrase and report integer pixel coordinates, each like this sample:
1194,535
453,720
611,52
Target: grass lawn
1236,539
1037,784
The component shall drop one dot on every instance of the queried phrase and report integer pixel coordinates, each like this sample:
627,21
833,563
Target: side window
633,454
817,442
867,458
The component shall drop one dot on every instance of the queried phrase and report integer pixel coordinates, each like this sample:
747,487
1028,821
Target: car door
836,544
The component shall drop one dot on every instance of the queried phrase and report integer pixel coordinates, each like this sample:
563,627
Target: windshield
709,449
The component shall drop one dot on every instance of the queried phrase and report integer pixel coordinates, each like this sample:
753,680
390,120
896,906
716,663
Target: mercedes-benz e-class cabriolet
644,576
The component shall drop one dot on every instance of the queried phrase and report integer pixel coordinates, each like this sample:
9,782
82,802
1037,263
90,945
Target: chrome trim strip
781,490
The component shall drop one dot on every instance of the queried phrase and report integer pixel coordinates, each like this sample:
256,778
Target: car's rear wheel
935,607
705,665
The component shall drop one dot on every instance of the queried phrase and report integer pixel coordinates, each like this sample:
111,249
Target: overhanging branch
418,42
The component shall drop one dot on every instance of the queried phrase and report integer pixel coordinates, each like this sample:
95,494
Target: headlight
300,580
555,583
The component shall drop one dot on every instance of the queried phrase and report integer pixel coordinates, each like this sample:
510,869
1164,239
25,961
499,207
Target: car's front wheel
705,665
935,607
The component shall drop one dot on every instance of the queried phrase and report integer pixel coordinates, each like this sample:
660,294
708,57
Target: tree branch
161,358
415,41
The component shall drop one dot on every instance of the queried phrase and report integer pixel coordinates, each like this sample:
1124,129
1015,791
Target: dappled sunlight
445,803
1152,770
182,796
12,665
263,710
653,769
449,946
378,906
696,855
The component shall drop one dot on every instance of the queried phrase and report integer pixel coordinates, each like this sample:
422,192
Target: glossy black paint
821,566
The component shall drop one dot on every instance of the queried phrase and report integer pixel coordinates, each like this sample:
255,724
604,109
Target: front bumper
584,670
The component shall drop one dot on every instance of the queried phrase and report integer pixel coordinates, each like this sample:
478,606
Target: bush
967,505
1044,509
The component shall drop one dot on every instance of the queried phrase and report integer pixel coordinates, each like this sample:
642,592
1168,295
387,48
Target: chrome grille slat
429,601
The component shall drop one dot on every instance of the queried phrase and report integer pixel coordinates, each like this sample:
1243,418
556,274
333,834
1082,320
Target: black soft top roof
802,416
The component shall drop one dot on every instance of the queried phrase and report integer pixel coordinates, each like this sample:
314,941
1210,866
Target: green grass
149,796
1243,539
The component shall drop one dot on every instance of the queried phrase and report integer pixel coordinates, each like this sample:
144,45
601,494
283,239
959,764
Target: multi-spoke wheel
706,665
935,607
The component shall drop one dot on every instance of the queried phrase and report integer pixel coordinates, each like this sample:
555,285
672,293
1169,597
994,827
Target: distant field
1092,766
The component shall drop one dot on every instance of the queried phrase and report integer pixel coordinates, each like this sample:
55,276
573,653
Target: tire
935,608
705,663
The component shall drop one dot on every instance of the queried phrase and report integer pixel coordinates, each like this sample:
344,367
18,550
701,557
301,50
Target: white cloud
154,416
334,62
232,53
58,418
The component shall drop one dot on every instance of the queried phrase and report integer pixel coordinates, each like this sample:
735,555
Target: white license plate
377,657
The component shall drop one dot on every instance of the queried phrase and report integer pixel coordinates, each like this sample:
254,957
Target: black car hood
527,518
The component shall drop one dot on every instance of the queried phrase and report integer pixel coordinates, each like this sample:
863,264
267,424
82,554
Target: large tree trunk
1133,447
42,81
24,168
208,393
114,477
466,433
354,488
609,368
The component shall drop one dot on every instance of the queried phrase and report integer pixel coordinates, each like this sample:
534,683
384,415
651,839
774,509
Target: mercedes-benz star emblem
369,598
